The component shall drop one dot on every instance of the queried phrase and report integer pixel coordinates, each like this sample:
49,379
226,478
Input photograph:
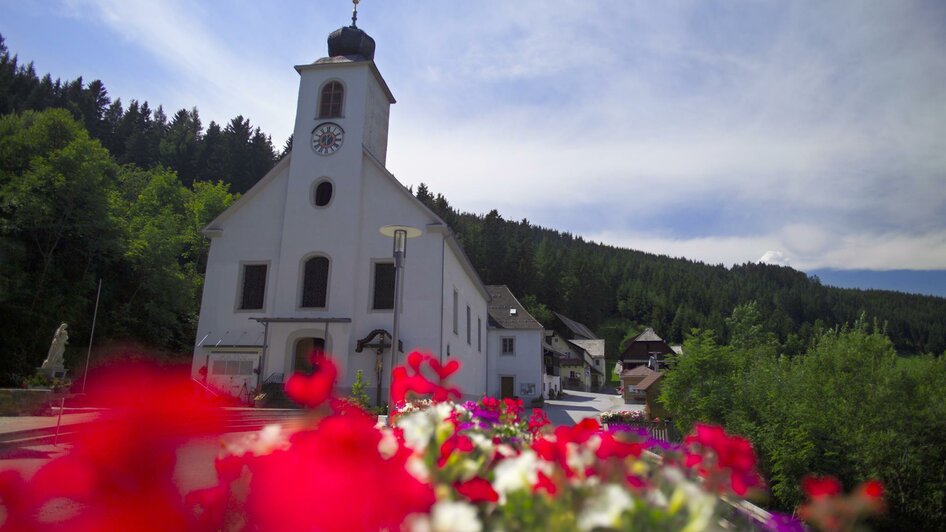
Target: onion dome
348,41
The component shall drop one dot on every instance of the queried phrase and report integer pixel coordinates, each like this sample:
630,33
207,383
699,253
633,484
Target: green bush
848,407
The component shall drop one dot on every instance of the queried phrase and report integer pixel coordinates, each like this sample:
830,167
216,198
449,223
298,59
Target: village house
582,359
646,349
299,263
515,361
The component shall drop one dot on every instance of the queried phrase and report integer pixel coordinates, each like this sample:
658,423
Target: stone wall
24,402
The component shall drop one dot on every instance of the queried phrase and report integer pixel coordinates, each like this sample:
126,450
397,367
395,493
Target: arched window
330,104
315,283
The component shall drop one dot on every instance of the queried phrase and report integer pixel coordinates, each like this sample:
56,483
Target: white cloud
208,71
869,251
774,257
818,131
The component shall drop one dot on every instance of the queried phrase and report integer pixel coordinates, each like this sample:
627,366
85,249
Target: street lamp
400,234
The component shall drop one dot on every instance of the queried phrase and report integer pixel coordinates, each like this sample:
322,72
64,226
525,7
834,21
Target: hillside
619,291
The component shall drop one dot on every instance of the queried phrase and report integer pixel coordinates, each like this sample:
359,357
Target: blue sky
811,133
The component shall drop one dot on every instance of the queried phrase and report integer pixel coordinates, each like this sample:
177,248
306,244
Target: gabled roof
647,336
577,328
547,349
594,348
506,312
639,371
649,381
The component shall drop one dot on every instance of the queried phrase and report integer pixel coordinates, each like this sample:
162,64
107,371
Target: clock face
327,138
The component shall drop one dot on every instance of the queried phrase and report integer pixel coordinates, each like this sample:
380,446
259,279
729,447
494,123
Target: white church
299,262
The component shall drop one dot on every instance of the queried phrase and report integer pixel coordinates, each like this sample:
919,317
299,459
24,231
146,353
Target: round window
323,193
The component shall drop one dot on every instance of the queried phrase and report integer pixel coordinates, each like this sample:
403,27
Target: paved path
575,406
21,423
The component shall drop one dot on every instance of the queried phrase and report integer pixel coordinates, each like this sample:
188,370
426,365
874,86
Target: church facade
299,263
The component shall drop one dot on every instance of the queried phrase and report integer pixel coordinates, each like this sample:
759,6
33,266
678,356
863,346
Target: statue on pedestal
53,366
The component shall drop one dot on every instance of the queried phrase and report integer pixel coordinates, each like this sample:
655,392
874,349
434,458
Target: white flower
388,444
481,442
418,429
604,508
581,457
270,438
449,516
416,467
520,472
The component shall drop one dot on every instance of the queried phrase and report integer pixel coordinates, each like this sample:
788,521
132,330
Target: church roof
577,328
506,312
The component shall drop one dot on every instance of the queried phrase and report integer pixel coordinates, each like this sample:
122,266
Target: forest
618,292
93,189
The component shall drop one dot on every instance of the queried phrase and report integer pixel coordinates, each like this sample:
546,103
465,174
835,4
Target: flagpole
88,354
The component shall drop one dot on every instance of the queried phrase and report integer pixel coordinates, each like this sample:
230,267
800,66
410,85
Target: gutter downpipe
443,260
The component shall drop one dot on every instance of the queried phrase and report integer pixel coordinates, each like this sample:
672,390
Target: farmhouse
300,263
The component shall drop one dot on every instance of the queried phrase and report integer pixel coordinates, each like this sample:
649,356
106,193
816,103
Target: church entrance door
506,387
307,350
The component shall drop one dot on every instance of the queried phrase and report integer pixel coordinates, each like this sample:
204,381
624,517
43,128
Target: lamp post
400,234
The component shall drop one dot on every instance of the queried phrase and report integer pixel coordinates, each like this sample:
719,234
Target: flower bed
442,465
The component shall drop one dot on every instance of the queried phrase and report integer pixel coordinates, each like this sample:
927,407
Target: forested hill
237,152
618,292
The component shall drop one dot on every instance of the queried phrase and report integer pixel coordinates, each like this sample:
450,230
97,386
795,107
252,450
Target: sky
804,133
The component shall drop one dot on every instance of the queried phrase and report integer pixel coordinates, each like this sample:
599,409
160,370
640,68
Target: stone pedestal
52,372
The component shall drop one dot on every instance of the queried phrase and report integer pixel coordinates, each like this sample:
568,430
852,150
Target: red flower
513,406
636,482
490,403
557,450
537,420
457,442
443,372
119,475
731,464
312,390
819,487
334,478
873,489
612,447
544,483
406,382
477,489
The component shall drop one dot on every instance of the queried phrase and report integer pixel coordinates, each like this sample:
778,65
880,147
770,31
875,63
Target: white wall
252,234
525,366
471,379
